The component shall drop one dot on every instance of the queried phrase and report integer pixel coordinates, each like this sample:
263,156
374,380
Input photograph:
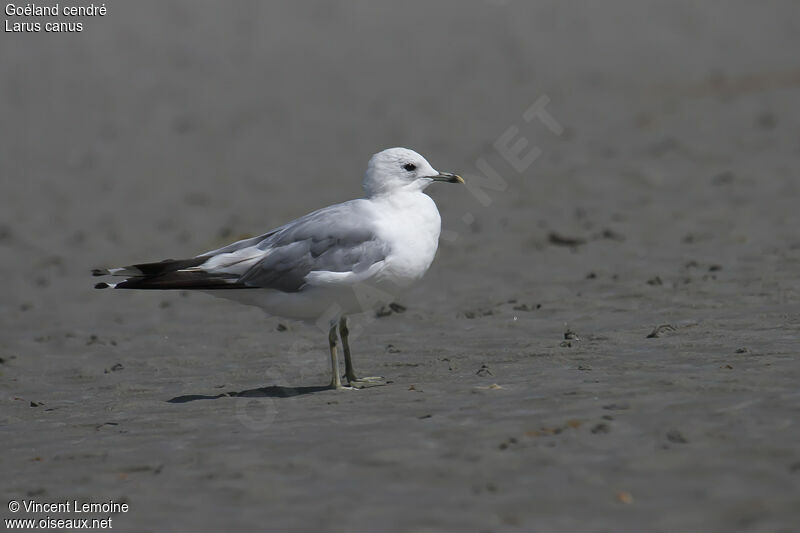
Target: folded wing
331,245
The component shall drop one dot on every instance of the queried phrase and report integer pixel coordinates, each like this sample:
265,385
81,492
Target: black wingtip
99,272
102,286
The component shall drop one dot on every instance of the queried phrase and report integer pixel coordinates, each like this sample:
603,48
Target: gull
340,260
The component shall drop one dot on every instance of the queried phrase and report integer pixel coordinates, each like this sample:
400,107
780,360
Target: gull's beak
446,176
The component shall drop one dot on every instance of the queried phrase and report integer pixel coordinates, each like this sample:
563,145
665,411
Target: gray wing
338,239
334,239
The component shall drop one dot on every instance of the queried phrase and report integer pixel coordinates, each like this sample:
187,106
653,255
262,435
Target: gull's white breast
410,223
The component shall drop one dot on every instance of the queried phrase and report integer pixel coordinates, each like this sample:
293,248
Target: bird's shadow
273,391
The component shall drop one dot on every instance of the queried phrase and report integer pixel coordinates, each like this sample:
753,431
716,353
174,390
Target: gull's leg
336,382
350,373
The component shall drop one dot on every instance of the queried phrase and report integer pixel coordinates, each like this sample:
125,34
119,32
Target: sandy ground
665,193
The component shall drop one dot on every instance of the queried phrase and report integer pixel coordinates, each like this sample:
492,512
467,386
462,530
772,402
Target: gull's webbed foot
350,373
366,382
339,386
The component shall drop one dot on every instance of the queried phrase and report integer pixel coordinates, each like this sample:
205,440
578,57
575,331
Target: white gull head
401,169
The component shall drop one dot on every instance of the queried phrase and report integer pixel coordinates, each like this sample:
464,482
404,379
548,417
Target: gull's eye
410,166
